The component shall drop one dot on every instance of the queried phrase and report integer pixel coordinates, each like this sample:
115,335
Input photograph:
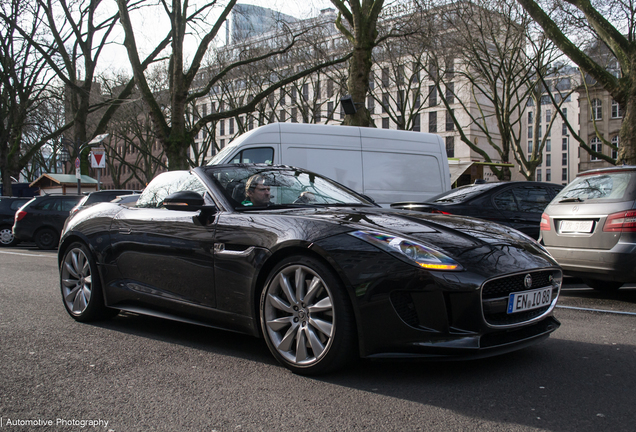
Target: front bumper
617,264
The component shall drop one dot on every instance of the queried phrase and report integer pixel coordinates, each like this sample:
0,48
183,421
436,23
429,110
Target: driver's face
259,195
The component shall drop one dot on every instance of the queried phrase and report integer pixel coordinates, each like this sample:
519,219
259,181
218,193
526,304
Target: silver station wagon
590,227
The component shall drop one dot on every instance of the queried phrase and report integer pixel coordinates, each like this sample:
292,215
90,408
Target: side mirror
184,200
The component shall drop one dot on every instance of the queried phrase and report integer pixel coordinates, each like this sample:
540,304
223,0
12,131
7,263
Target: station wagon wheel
46,239
306,317
81,287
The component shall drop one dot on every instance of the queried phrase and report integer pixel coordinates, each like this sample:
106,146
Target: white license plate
527,300
584,226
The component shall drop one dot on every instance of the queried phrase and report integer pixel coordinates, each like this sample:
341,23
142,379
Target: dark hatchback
517,204
101,196
8,207
320,272
42,219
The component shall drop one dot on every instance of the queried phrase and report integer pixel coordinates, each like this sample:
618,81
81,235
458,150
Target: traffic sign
98,159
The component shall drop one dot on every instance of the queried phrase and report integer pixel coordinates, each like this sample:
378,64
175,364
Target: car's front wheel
306,317
6,237
601,285
81,287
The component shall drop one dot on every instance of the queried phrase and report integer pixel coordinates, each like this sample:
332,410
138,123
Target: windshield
610,186
462,193
248,186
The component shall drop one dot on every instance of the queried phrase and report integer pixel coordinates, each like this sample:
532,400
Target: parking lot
137,373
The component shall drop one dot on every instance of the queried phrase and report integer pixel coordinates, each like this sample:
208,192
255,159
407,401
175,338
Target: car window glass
17,204
532,199
462,193
67,205
611,186
255,155
166,184
506,201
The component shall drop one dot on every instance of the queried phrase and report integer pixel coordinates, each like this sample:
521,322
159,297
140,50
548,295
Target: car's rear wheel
46,238
306,317
601,285
81,287
6,237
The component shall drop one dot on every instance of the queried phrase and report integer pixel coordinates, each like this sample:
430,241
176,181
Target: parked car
590,227
518,204
320,272
42,218
8,207
101,196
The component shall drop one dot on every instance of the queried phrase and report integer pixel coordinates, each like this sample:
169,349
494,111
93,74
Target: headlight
416,253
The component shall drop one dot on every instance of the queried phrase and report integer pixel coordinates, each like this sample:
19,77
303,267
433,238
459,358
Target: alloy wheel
77,281
299,315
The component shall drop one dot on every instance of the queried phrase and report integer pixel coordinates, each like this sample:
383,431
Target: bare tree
170,124
571,23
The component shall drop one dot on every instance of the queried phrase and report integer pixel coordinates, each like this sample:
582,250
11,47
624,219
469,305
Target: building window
450,93
306,92
564,144
281,116
548,175
416,102
548,145
415,68
371,104
317,91
538,175
432,95
231,126
385,77
548,115
329,88
615,142
400,99
529,131
317,115
564,174
282,96
564,129
385,102
416,123
617,112
400,123
385,123
293,94
596,146
564,159
450,146
294,115
529,117
250,123
548,160
222,127
329,110
450,125
597,109
432,121
529,147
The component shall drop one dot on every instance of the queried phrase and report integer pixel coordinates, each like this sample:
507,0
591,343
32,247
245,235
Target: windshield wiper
577,199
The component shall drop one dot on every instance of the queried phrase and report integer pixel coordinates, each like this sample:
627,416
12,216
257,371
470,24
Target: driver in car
256,192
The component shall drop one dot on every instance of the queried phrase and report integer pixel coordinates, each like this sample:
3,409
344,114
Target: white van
387,165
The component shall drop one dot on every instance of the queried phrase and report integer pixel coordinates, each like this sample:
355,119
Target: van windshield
218,159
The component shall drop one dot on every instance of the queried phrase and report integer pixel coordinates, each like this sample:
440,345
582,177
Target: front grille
495,294
403,304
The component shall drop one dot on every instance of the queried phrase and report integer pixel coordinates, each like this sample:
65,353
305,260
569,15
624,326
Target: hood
465,239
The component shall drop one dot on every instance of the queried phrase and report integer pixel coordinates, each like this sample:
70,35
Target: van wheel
601,285
46,239
306,317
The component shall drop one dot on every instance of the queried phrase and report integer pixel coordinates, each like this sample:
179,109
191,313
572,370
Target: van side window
255,155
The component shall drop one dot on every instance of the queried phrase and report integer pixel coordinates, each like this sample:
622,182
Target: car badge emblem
575,209
527,281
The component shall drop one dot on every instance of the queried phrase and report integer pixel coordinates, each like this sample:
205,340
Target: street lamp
78,148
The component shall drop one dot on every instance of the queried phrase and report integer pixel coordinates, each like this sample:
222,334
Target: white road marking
27,254
597,310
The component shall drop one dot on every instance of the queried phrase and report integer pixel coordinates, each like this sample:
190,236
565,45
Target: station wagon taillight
19,215
545,222
624,221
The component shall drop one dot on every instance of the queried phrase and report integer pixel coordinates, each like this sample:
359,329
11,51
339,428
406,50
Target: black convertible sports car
322,273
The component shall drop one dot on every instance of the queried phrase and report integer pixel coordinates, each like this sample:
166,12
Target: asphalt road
136,373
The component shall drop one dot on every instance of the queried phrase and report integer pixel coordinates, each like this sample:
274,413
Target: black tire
81,287
46,238
6,236
306,317
602,285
